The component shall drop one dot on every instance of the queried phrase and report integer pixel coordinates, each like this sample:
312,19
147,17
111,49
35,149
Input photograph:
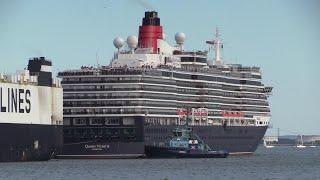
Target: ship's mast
217,45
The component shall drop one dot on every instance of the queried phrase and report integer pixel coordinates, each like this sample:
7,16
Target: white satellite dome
132,41
118,42
180,37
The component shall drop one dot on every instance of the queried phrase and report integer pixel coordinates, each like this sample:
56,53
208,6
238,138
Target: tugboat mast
187,118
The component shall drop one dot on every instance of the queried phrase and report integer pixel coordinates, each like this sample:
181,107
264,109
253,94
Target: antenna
97,58
217,45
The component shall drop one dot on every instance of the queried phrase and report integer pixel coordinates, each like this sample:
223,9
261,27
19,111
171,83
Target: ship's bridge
192,58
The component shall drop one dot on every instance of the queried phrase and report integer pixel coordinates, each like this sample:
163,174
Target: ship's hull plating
234,139
107,146
29,142
102,150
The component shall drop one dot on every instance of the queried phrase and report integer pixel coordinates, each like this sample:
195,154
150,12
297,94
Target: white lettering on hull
96,147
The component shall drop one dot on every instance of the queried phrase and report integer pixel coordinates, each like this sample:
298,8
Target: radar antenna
217,45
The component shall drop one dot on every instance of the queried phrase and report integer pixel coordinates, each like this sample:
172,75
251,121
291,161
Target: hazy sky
281,37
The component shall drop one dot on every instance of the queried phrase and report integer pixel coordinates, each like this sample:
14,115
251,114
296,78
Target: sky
280,36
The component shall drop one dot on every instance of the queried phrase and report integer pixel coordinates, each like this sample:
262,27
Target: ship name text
15,100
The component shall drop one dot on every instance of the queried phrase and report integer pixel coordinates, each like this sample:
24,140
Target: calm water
276,163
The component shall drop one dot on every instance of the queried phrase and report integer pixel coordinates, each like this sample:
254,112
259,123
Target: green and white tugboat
184,144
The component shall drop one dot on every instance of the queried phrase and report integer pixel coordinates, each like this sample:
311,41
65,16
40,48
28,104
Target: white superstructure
23,101
249,96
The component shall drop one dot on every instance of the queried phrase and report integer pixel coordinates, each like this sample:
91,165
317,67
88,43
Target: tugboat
184,144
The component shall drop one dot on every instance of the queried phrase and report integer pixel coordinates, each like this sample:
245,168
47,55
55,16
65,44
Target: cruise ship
31,113
151,87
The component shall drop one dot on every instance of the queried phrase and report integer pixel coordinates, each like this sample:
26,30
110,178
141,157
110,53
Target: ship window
112,122
128,121
66,122
79,121
96,121
115,134
193,59
128,131
194,77
108,132
201,60
115,131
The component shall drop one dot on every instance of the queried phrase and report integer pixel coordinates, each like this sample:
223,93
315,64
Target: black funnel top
151,19
36,63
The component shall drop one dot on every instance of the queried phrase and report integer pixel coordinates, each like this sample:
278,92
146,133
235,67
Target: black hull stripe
29,142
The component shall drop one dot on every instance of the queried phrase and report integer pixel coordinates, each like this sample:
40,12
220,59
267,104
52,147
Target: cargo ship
31,113
150,88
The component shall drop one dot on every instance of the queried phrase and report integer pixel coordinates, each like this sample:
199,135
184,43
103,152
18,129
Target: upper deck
234,71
